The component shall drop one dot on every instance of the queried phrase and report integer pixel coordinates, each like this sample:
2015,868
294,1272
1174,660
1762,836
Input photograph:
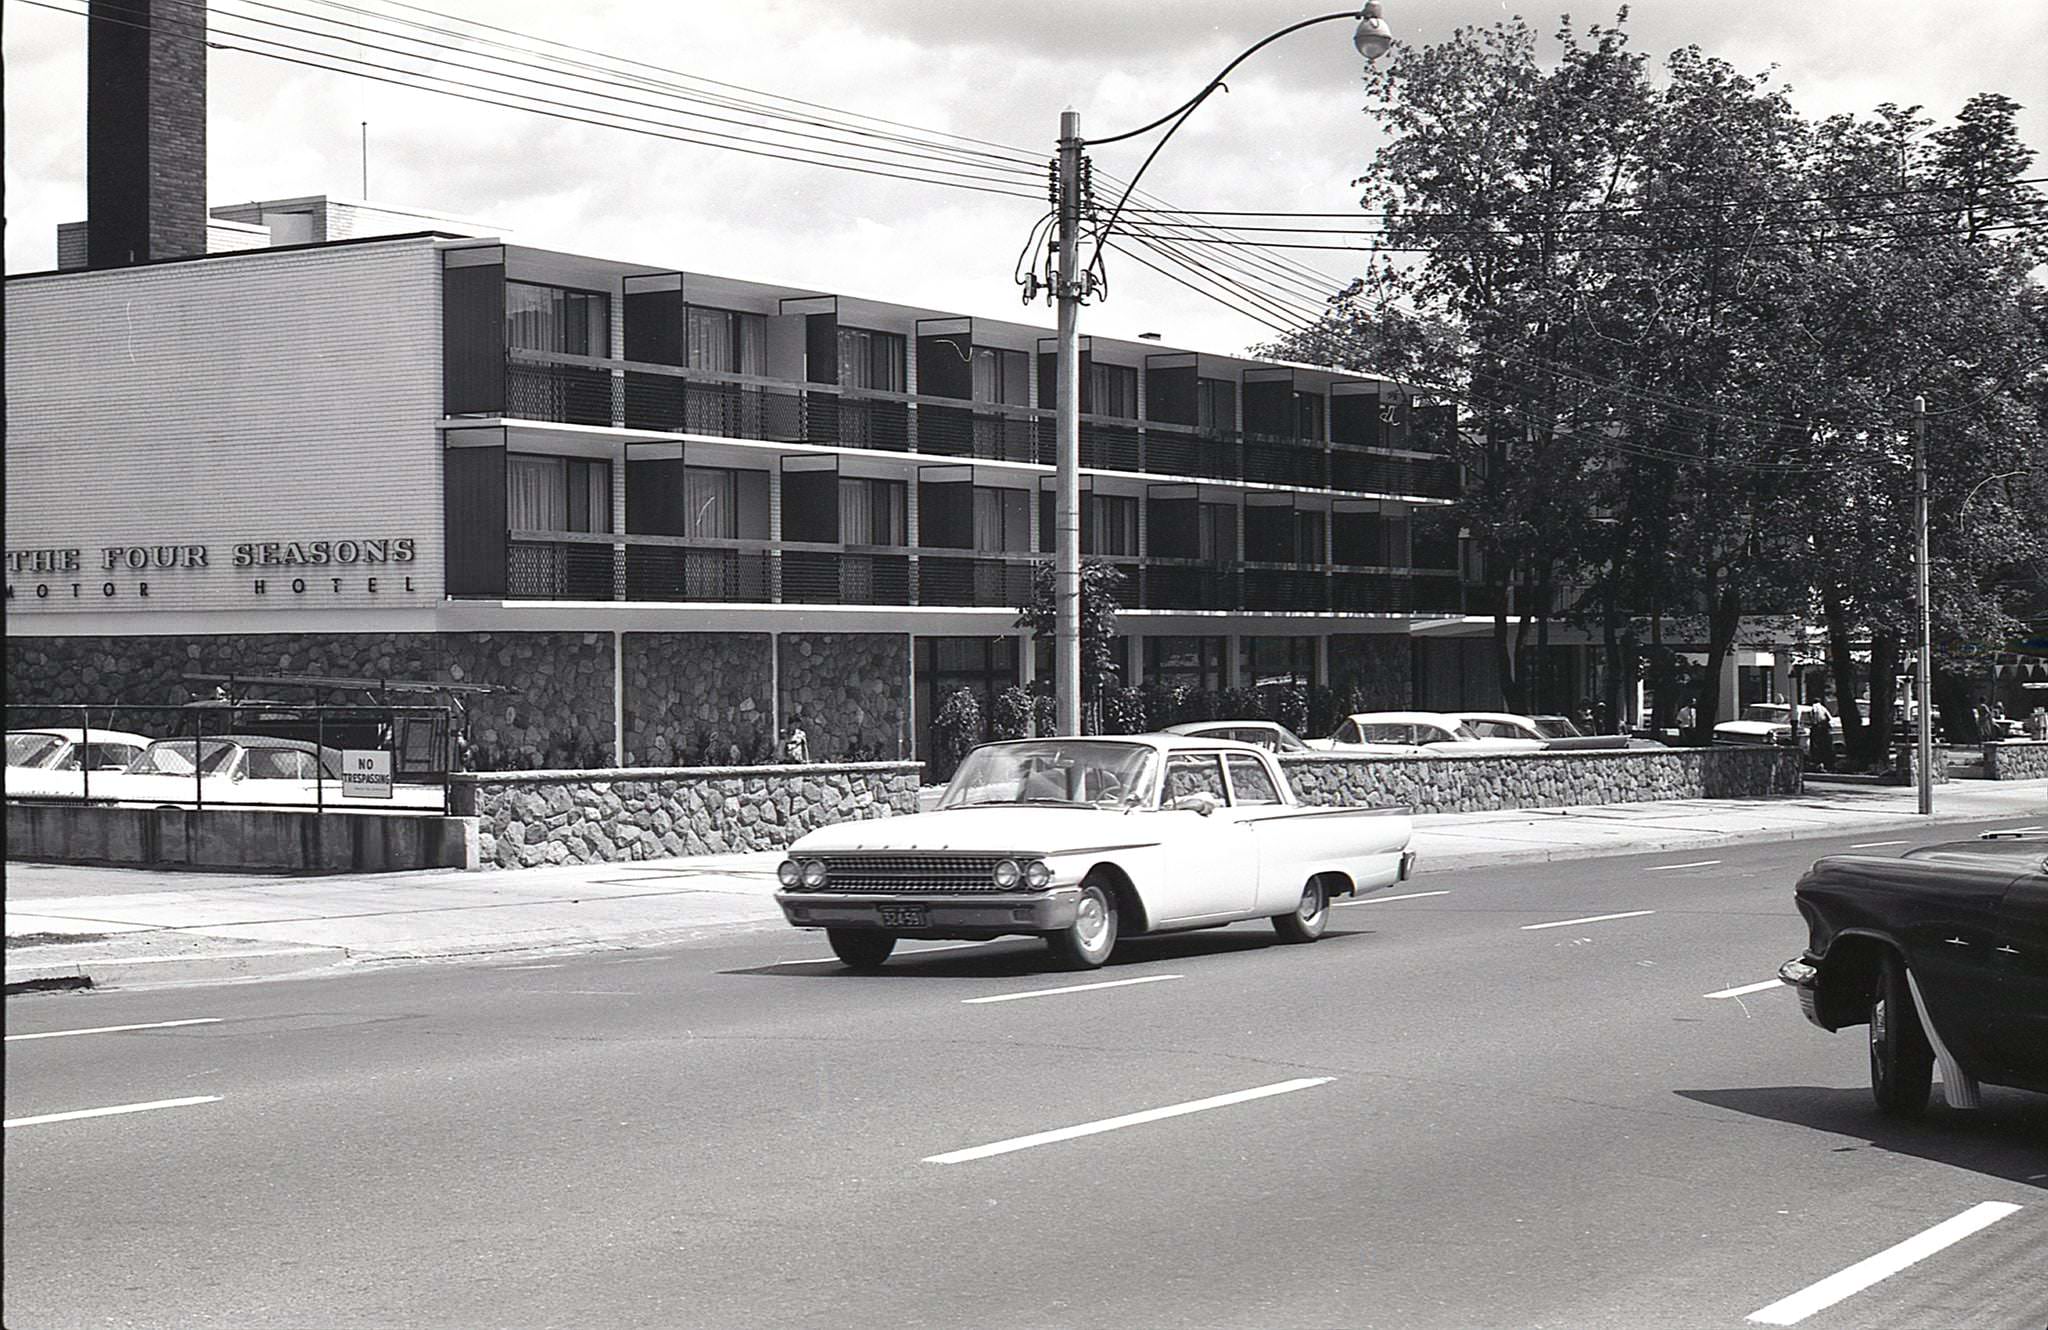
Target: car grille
919,874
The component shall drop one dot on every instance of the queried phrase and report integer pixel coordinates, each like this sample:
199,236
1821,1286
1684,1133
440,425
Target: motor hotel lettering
76,572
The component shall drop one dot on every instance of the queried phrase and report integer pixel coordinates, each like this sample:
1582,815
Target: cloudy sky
1290,134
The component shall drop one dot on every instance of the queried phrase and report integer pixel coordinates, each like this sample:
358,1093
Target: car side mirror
1199,802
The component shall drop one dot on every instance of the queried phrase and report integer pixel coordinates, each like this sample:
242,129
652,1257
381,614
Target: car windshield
1556,727
173,757
1082,773
1769,713
32,750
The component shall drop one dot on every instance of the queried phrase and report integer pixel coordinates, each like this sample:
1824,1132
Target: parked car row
1419,733
113,767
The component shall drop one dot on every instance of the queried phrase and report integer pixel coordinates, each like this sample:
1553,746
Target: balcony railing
810,577
1190,586
1280,589
591,390
558,570
985,581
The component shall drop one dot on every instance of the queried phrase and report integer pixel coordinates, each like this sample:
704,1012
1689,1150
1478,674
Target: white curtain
536,494
712,501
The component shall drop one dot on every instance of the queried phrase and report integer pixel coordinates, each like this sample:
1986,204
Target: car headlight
814,873
1008,873
788,874
1038,874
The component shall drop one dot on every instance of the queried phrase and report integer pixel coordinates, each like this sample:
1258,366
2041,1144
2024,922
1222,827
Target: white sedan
59,762
1083,840
1420,734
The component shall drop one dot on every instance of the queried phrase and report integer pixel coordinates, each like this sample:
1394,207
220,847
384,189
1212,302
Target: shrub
955,729
1123,711
1011,716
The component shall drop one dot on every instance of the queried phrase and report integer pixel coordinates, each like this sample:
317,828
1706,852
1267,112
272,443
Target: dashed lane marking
1847,1283
1697,863
116,1029
1072,988
1382,900
1589,919
76,1114
1127,1120
1746,989
1874,844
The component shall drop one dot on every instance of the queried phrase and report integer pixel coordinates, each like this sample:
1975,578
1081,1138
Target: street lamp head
1374,37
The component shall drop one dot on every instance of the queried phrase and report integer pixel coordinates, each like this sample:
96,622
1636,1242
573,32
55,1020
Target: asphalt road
1444,1114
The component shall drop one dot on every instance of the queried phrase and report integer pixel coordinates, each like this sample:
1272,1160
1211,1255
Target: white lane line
1381,900
921,951
115,1029
1746,989
1829,1291
551,965
1697,863
1873,844
74,1115
1127,1120
1589,919
1075,988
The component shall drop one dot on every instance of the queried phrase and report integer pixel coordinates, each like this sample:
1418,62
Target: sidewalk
67,926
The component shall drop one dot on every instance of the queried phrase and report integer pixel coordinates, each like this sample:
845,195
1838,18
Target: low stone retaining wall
528,818
263,840
1542,780
2016,759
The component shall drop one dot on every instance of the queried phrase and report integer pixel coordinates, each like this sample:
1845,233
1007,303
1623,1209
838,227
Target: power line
399,78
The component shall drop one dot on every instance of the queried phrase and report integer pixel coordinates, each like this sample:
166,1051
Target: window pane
1249,781
713,504
1194,775
537,493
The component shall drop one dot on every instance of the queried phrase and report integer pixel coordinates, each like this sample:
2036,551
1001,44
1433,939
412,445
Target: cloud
1289,134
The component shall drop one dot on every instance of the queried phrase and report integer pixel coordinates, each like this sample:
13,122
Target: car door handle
2009,951
1956,942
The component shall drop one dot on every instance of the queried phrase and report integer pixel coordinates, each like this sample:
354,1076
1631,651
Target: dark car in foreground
1943,953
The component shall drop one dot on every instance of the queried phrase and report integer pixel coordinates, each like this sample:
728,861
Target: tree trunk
1842,666
1722,621
1884,669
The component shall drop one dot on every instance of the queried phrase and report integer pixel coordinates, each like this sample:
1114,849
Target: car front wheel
862,949
1310,916
1086,943
1901,1060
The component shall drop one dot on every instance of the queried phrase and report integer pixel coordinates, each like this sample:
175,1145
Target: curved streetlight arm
1187,108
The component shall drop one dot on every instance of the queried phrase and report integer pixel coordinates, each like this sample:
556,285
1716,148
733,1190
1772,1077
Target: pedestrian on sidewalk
1823,750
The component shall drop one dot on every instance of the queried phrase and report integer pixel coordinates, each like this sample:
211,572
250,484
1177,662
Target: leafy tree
1102,588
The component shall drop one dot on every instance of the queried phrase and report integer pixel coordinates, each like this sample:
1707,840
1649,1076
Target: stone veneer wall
852,692
2016,760
691,696
1380,665
1542,780
526,819
560,715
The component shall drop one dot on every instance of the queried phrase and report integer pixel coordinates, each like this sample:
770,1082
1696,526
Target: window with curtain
1000,376
1217,527
1216,406
1109,524
1308,537
869,359
1113,390
557,493
1001,519
557,320
1308,417
728,341
872,512
711,502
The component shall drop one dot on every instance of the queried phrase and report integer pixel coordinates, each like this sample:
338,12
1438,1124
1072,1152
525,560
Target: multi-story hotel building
672,510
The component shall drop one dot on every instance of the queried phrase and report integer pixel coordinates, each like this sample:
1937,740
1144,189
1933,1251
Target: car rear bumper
1804,978
992,915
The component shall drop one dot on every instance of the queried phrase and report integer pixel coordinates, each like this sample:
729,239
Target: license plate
903,916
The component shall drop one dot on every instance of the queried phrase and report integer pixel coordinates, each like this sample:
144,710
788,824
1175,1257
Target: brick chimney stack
145,131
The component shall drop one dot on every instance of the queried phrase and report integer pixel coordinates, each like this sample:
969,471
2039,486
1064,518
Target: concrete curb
164,971
1696,841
